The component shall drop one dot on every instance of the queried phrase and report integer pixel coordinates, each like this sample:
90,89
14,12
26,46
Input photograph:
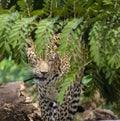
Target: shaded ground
16,105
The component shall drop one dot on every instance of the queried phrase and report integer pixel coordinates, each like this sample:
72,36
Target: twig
28,8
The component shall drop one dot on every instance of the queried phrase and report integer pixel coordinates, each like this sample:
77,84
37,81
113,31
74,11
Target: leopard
48,72
54,64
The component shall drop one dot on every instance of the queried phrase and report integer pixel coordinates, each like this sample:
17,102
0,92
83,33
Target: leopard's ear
30,45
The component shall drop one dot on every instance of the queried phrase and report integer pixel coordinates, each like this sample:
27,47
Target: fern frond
95,42
3,20
13,32
68,35
6,24
45,29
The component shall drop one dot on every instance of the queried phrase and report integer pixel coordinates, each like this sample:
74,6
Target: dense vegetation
87,26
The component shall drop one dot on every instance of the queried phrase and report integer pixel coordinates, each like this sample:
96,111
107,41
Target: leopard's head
53,67
48,69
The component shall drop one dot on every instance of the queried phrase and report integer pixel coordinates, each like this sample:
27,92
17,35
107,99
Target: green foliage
15,29
9,71
109,47
104,46
68,36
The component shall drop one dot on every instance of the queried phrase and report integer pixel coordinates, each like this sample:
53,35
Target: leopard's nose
43,73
